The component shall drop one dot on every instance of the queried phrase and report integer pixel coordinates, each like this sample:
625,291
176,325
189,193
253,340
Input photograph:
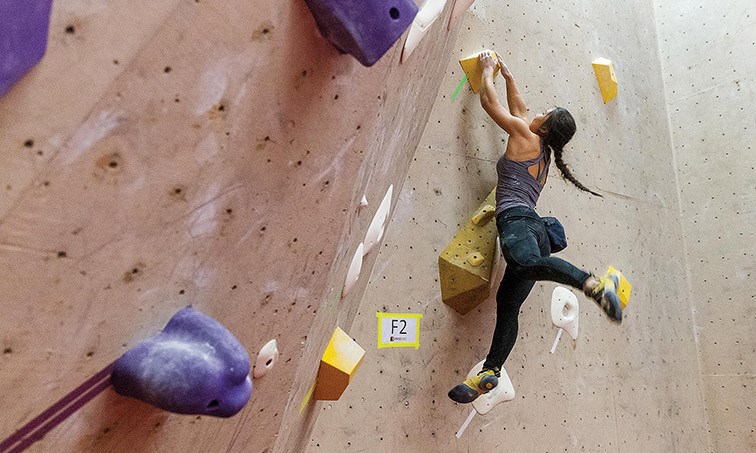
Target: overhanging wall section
209,153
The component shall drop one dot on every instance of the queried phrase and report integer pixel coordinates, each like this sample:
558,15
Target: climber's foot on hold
605,294
473,387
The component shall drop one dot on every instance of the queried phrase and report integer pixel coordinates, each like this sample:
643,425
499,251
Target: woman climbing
522,172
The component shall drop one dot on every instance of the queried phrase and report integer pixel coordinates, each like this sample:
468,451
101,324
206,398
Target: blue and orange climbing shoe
473,387
605,294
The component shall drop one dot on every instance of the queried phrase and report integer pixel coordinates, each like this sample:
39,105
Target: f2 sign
398,330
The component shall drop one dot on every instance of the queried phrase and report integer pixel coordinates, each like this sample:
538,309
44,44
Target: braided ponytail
560,127
567,173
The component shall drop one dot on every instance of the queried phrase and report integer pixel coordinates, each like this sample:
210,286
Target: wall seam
686,256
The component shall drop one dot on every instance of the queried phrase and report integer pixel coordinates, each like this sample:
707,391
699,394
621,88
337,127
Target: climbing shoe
605,294
473,387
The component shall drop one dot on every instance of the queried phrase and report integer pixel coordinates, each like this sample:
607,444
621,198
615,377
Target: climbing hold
23,38
624,289
473,71
606,79
466,283
194,366
379,222
364,202
475,259
483,214
428,14
364,29
340,362
460,6
504,391
565,310
353,274
266,359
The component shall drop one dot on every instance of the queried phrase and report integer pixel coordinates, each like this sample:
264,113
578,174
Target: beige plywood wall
707,51
631,388
204,153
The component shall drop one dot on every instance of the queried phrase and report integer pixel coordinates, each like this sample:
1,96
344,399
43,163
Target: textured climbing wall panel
710,84
631,388
205,152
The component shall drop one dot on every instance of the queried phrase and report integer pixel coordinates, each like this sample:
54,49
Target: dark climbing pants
526,249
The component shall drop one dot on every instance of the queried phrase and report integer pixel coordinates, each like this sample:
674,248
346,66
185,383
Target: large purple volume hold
366,29
23,38
194,366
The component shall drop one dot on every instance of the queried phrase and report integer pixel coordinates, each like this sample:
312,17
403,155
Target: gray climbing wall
708,50
631,388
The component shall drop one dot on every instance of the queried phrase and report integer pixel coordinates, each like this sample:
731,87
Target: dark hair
560,127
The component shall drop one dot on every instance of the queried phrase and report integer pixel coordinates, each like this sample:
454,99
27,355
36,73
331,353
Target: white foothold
375,230
266,358
364,202
504,391
427,15
565,310
353,274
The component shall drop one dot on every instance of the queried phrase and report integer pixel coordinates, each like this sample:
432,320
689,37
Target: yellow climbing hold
340,361
484,214
466,264
624,289
606,79
471,67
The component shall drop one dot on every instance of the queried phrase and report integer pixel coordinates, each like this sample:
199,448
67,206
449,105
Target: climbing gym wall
214,154
709,72
634,387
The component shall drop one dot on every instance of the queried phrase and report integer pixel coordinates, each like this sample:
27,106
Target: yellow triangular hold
624,289
471,67
340,361
606,79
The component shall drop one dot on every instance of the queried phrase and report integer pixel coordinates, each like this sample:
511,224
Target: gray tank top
516,186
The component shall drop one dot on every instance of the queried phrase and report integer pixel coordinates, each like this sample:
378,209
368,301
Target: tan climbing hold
484,214
340,361
475,259
466,264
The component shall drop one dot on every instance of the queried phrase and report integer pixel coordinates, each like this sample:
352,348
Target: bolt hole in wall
394,13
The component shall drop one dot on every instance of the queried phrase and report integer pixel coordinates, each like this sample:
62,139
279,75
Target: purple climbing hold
23,38
194,366
366,29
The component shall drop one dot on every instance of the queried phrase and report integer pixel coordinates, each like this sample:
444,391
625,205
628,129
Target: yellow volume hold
466,264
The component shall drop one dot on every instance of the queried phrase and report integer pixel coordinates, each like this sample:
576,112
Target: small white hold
380,220
354,270
266,359
504,391
364,202
565,310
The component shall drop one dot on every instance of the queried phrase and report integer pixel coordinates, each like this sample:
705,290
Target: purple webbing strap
55,414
